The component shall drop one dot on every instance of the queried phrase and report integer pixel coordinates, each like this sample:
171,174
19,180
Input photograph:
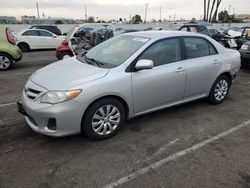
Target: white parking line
8,104
174,156
163,148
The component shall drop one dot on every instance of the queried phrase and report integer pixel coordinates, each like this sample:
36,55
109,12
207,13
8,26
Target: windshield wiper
92,60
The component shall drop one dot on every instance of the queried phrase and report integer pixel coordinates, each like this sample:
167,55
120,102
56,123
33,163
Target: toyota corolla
124,77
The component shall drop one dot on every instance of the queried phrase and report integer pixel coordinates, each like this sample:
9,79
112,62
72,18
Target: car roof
24,30
43,26
163,34
193,24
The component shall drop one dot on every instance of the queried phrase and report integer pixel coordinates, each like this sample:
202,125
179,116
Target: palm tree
211,11
216,10
205,11
208,7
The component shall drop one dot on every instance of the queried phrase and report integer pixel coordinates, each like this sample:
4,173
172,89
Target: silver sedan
126,76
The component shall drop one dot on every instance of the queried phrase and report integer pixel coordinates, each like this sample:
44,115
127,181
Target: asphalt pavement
192,145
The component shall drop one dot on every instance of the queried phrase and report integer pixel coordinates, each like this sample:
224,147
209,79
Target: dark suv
52,28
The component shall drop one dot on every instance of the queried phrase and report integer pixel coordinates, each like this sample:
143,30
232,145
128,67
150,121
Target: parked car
195,28
31,39
226,40
9,52
78,42
245,54
52,28
244,37
95,92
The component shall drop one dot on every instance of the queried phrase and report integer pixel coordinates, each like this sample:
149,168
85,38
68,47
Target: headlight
54,97
244,47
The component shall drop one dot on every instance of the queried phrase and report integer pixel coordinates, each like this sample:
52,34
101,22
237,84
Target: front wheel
219,90
103,119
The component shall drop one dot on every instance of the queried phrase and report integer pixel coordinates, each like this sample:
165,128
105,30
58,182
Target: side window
45,34
31,33
196,47
163,52
184,29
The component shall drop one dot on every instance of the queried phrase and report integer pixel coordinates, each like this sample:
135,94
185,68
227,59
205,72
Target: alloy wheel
106,119
221,90
5,62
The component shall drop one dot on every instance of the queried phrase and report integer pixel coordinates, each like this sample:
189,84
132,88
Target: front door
163,84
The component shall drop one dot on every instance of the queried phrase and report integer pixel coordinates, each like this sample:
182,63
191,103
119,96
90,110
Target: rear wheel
219,90
103,119
24,47
6,61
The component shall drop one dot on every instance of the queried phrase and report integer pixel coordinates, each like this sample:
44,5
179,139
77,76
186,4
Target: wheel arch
1,52
23,43
227,74
120,99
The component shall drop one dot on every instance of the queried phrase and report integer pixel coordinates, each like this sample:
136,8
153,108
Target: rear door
202,65
47,39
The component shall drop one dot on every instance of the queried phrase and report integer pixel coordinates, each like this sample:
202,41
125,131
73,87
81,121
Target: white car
31,39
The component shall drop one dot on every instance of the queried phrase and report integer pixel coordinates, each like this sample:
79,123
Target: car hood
66,74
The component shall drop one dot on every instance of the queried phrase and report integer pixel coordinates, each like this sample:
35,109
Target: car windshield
114,51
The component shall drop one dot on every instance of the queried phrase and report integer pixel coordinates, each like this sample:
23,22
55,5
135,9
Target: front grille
32,93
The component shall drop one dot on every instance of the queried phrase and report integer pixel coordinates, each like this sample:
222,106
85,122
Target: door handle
180,69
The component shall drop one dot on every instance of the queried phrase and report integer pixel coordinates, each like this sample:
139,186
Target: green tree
91,19
136,19
58,22
223,16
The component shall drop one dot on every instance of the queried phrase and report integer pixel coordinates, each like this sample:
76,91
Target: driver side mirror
54,36
144,64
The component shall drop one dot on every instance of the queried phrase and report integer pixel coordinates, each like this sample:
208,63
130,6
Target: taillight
10,37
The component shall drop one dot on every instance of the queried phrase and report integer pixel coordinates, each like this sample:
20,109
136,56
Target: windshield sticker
139,39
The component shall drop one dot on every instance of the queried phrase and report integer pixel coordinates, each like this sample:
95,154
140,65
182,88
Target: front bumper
66,115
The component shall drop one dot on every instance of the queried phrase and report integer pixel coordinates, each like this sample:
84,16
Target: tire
219,90
6,61
24,47
97,124
64,54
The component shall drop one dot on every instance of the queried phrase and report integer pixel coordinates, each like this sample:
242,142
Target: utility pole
86,16
160,12
146,11
37,8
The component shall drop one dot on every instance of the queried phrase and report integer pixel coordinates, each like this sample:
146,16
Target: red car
83,37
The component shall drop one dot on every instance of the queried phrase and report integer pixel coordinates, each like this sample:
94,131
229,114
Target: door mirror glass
144,64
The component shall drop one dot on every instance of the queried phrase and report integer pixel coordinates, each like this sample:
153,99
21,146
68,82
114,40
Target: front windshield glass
114,51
